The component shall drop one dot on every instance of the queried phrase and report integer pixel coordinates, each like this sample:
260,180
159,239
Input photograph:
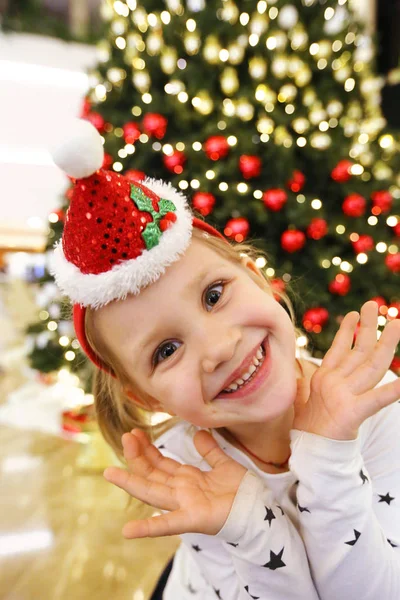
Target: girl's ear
149,405
251,265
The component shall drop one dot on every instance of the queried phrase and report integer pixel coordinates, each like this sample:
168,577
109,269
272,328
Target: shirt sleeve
348,501
257,554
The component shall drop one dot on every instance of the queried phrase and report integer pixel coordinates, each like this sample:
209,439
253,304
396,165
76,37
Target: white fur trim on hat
130,276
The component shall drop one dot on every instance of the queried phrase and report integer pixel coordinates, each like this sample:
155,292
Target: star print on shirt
269,516
303,508
387,498
275,561
232,544
191,589
357,535
196,548
392,544
246,587
280,508
363,477
218,592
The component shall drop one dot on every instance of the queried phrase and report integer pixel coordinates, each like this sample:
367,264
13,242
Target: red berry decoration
134,176
203,202
167,221
96,120
250,166
315,318
297,181
131,132
395,365
365,243
293,240
275,199
392,261
354,205
341,172
340,285
237,229
216,147
155,124
175,161
317,229
382,200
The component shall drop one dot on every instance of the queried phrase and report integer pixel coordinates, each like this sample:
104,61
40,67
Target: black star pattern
363,477
269,516
191,589
392,544
388,498
232,544
275,561
161,447
280,508
303,508
352,542
246,587
218,593
196,548
296,482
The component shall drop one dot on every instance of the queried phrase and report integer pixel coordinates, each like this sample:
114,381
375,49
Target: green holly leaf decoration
151,235
141,200
166,206
152,232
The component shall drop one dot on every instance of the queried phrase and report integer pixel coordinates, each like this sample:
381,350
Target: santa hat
119,236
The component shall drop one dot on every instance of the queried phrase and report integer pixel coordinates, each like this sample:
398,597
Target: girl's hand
341,394
198,501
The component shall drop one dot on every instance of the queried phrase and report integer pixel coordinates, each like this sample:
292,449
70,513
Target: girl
294,491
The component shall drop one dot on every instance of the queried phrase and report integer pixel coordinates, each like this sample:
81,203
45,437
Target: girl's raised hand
197,501
341,394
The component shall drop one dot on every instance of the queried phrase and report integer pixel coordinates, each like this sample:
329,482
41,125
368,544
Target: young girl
281,473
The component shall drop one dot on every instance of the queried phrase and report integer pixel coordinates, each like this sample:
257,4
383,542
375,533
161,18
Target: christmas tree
267,116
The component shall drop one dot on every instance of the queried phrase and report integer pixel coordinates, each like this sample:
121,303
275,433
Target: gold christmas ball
229,81
279,66
320,141
287,93
265,125
244,109
168,60
303,77
212,49
141,81
192,43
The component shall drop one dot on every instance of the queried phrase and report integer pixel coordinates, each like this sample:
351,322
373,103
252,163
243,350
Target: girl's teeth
259,354
252,368
233,386
240,381
245,376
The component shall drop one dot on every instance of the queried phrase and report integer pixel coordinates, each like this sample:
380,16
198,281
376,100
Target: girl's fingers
146,460
365,341
208,448
151,492
342,342
173,523
369,374
376,399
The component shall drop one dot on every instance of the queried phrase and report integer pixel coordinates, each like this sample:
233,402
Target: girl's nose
219,347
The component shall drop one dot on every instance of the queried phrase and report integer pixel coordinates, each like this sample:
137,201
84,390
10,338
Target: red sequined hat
118,236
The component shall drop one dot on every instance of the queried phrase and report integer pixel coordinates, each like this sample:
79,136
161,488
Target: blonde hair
116,410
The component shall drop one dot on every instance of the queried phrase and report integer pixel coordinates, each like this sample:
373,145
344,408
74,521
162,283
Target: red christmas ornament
275,198
250,166
216,147
203,202
340,285
85,108
96,120
365,243
131,132
354,205
341,172
392,261
134,176
60,214
175,161
278,285
395,365
383,200
396,229
107,161
293,240
317,229
155,124
167,221
315,318
237,229
297,181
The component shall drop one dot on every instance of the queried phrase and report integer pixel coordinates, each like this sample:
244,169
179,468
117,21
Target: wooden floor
60,527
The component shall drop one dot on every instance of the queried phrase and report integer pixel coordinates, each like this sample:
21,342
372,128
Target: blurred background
174,87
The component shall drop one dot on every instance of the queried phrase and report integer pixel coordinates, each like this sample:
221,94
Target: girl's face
206,326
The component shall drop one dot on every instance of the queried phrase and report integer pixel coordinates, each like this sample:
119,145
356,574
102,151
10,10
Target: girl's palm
197,501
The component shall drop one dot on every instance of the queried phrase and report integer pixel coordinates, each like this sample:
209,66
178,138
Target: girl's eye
213,294
165,351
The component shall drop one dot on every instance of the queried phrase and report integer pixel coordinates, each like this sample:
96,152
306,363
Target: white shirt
328,529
